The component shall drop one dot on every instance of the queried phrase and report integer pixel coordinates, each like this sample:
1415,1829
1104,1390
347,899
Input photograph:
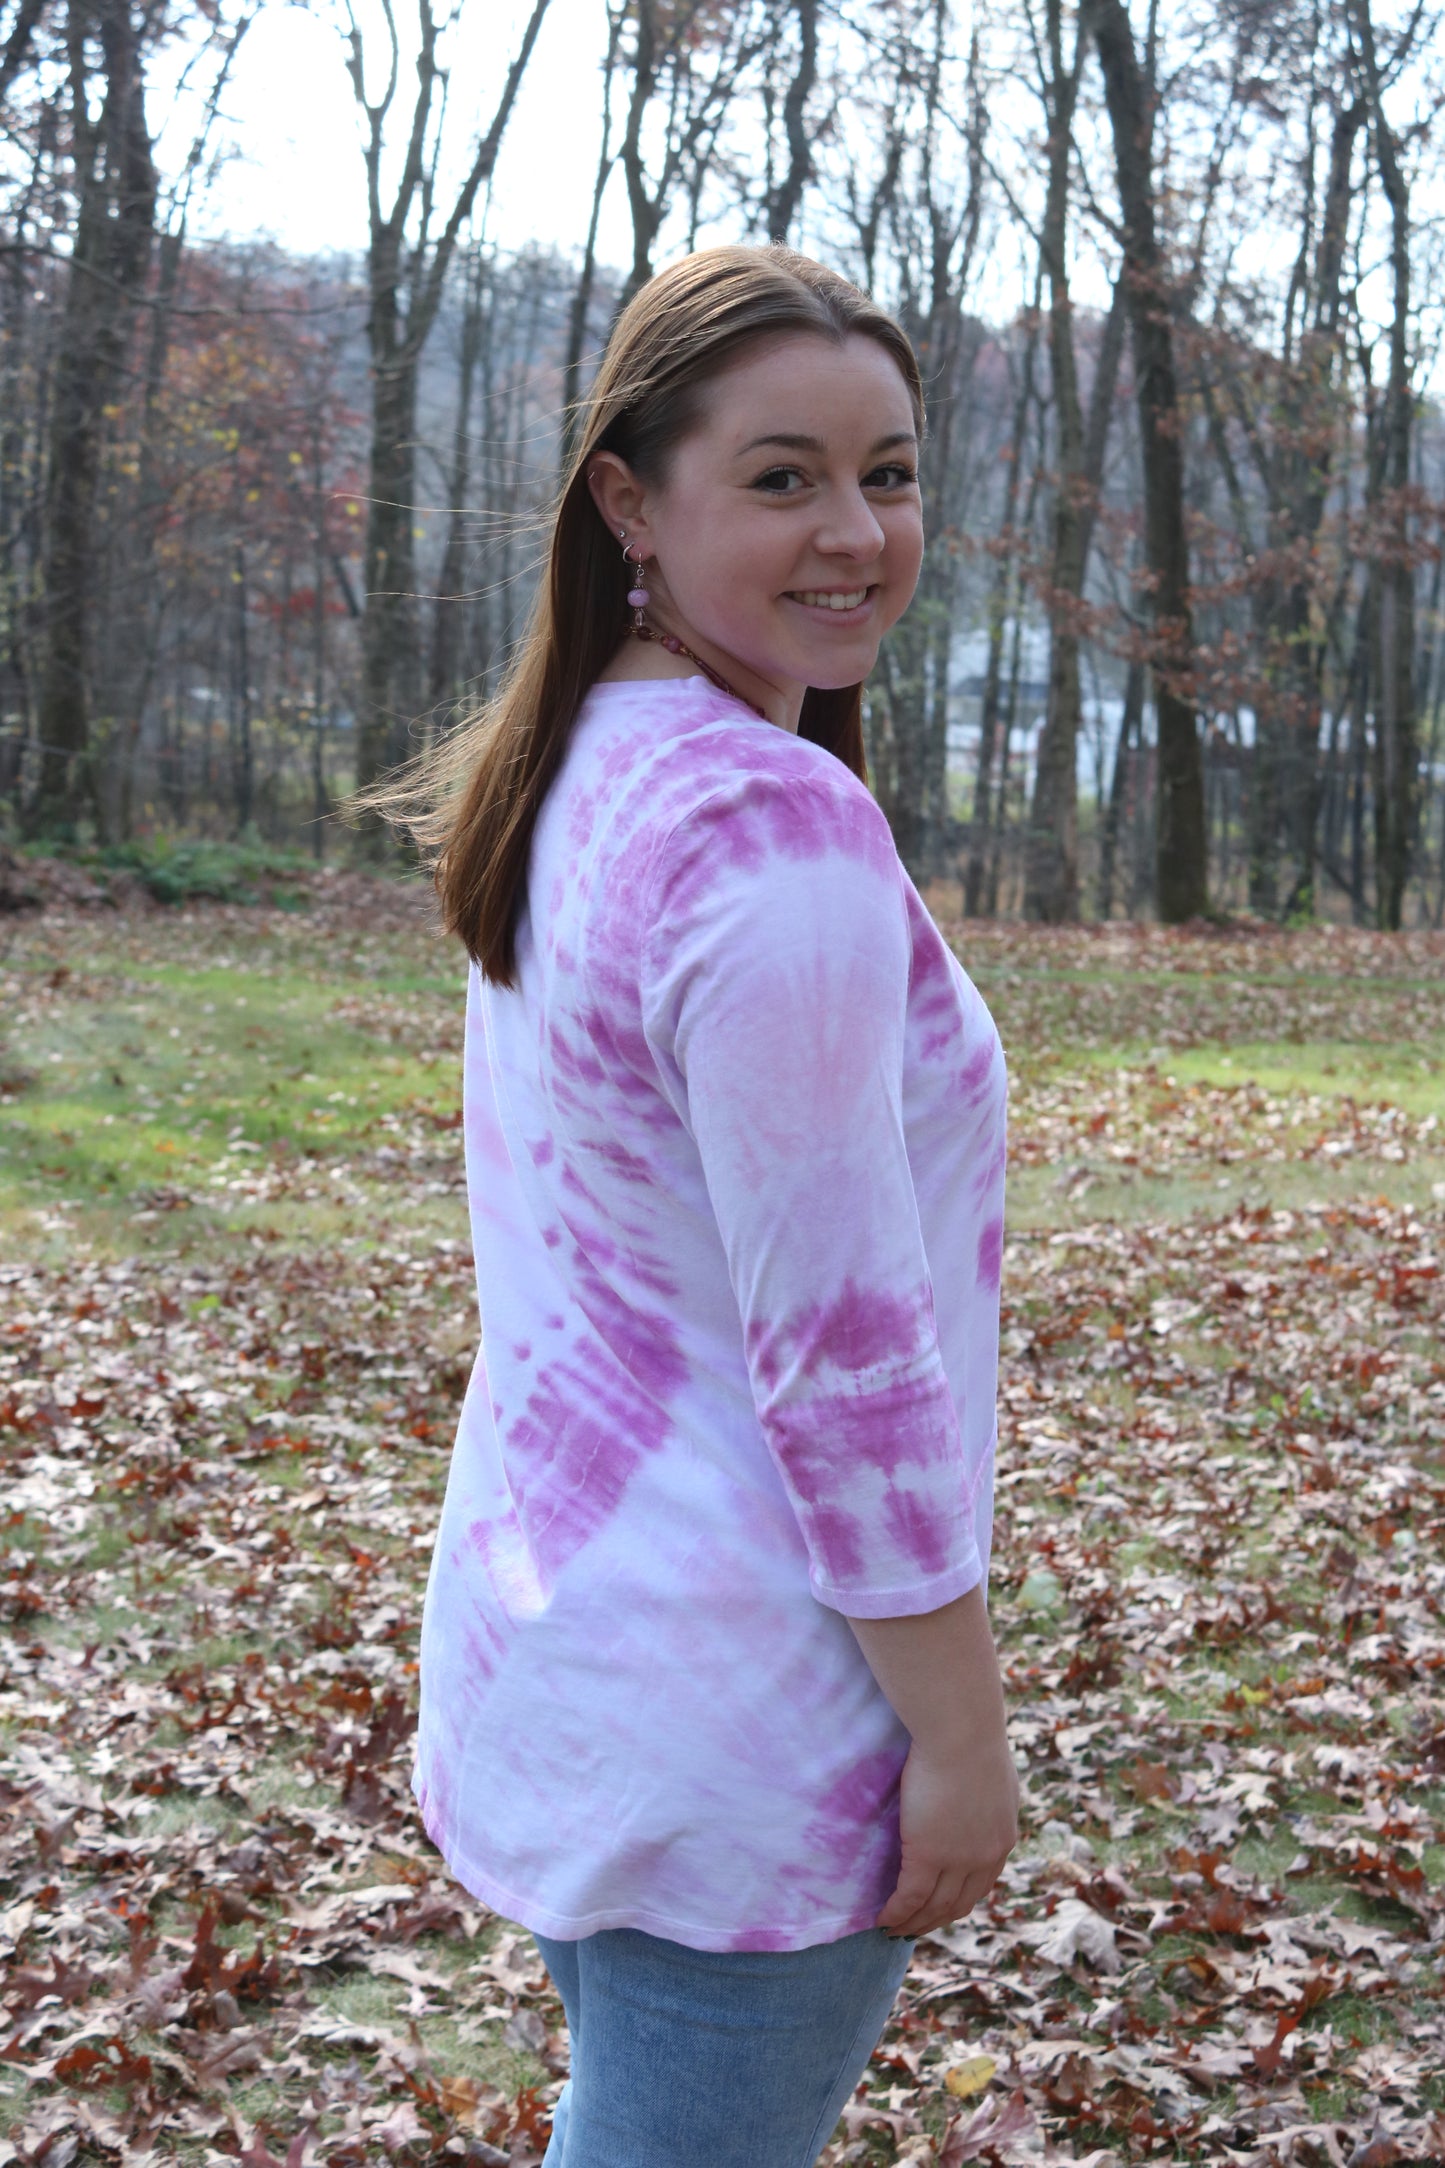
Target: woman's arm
775,996
959,1800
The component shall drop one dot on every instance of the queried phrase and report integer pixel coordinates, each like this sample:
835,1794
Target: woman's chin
833,673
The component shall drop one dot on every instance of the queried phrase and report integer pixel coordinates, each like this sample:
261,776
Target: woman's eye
896,475
778,480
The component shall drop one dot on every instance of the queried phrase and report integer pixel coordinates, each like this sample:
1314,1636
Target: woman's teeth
815,600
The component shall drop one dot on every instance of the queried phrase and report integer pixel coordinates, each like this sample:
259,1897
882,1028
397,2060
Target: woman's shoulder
695,787
743,799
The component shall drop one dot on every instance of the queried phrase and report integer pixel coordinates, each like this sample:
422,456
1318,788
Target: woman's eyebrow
789,443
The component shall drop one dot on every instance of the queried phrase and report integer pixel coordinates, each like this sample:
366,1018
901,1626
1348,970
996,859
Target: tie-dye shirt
735,1152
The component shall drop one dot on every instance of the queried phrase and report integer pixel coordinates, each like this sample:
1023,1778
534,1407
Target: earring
637,595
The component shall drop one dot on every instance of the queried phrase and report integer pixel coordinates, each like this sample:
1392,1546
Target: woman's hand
960,1794
959,1822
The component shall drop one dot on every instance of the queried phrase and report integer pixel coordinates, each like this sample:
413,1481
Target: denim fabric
713,2058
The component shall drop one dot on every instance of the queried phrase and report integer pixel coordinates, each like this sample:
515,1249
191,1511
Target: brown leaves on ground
1219,1571
208,1706
1218,1577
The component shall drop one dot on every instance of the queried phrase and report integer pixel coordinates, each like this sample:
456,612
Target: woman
709,1701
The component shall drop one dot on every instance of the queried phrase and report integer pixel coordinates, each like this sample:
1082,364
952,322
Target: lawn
236,1316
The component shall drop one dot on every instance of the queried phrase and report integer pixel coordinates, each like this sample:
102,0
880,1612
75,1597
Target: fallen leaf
969,2076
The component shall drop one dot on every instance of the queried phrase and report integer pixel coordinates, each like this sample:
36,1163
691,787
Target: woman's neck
649,660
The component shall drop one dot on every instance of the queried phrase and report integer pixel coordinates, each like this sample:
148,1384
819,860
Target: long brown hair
472,804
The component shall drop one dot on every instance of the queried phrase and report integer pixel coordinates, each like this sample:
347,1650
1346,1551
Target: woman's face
787,535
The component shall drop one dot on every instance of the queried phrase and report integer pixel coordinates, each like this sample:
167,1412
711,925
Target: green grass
1404,1075
141,1095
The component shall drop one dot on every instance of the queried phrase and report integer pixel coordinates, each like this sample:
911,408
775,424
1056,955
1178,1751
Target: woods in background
266,522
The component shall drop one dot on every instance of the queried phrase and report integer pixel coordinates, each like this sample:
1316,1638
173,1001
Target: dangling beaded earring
637,595
637,601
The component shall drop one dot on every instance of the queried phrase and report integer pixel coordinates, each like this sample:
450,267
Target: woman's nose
851,529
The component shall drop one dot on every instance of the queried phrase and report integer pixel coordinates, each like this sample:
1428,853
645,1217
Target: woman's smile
852,603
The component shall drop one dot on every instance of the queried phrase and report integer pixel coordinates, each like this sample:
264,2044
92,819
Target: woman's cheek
908,579
900,594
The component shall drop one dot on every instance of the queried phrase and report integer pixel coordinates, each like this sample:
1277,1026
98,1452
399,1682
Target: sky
292,134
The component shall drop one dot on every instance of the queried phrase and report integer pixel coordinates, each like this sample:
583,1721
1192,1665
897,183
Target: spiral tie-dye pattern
735,1153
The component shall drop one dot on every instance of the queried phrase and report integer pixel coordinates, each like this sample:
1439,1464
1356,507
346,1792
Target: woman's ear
618,496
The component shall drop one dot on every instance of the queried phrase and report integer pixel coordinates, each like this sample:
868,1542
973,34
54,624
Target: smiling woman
708,1696
783,556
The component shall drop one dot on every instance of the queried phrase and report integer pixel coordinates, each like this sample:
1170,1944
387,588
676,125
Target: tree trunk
320,797
243,772
1360,766
405,283
1129,721
1285,800
1051,844
645,206
1181,888
1008,718
1003,592
1392,569
140,632
580,311
447,620
788,196
114,226
1309,480
388,635
903,679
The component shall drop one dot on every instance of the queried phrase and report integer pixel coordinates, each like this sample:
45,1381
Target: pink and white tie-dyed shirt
735,1149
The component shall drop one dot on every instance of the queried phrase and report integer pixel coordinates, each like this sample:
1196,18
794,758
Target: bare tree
688,62
407,266
922,211
786,199
1180,840
115,184
1002,610
1051,854
579,316
445,673
1392,555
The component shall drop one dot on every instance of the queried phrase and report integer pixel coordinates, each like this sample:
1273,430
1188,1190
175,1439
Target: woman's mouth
837,600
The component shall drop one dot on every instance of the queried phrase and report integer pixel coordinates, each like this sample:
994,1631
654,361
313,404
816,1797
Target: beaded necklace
674,646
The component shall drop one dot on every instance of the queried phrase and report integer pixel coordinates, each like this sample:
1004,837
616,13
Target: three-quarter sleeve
775,971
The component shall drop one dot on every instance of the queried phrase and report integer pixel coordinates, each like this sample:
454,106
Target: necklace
674,646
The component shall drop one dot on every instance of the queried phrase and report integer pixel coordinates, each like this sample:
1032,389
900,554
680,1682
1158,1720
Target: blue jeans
713,2058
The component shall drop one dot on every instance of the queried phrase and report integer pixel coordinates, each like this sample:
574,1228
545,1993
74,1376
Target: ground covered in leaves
236,1315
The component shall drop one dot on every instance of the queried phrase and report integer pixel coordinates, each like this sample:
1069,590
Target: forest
268,524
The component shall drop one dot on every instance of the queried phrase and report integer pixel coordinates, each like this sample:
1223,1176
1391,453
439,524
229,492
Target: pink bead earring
637,595
637,601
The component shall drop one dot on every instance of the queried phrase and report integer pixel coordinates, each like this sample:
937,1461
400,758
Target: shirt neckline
731,704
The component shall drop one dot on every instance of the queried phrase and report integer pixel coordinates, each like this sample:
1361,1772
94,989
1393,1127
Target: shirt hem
909,1602
568,1927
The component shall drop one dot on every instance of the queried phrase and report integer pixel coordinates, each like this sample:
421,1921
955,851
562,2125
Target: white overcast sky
292,131
292,137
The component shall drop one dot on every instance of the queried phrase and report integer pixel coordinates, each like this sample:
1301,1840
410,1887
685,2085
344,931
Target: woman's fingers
917,1893
939,1908
950,1897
